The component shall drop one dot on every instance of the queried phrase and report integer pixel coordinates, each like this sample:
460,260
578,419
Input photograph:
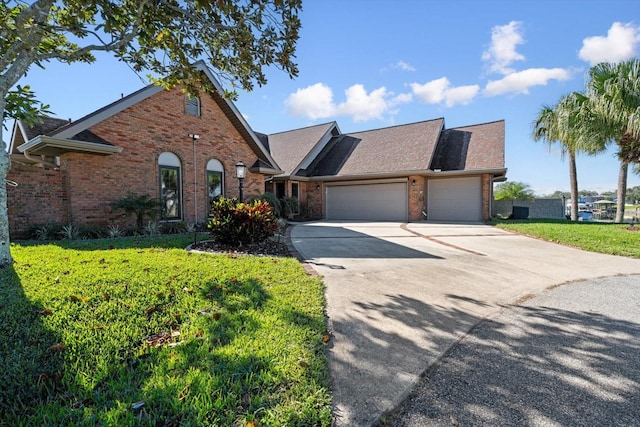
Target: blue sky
369,64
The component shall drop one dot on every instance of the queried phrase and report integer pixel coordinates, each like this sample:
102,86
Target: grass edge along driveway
606,238
136,331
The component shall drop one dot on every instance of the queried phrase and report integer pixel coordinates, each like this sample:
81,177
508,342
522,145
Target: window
170,186
295,194
193,105
215,179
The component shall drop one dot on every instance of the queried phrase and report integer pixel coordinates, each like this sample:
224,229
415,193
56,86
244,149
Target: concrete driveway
399,295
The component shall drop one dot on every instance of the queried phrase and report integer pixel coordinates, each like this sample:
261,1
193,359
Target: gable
476,147
291,148
395,149
422,147
77,136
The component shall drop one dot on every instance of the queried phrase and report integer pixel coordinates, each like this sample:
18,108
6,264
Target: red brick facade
80,193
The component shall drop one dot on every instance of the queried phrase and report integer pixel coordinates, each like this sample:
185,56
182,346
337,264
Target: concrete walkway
398,296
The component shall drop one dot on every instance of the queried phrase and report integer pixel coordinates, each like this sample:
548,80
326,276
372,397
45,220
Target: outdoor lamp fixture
241,169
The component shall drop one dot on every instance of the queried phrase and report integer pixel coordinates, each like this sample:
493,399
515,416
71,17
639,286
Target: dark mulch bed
265,248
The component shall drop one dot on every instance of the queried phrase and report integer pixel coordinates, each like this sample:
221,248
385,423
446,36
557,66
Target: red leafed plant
234,223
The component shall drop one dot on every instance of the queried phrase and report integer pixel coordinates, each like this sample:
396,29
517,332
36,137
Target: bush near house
139,206
234,223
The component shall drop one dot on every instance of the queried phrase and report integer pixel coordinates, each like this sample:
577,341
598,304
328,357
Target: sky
369,64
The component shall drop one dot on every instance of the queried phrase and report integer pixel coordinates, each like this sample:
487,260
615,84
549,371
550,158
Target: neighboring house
70,172
413,172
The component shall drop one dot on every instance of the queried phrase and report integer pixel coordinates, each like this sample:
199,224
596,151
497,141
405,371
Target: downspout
194,138
41,161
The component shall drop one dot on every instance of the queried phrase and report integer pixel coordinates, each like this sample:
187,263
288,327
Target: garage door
454,199
370,202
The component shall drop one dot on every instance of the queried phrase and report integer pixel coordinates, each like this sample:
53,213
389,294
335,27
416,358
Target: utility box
520,212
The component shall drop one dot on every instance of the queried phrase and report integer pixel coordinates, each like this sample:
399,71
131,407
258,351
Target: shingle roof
45,127
290,148
392,149
485,146
332,157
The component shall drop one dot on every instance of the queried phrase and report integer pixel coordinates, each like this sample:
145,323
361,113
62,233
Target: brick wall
39,198
487,196
417,194
155,125
311,194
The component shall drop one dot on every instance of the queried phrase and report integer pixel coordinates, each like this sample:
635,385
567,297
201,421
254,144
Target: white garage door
370,202
454,199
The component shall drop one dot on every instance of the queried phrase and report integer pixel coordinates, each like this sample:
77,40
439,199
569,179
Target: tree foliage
238,39
569,123
614,99
513,190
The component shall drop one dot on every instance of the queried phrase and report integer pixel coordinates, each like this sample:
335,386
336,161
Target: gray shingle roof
393,149
485,148
45,127
290,148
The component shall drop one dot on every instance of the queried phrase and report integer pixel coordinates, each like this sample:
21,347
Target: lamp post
241,169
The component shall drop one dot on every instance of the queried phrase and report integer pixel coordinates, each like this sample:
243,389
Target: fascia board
316,150
421,172
66,145
106,112
200,65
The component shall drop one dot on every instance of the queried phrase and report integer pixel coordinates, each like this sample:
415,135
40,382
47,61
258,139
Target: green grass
90,328
607,238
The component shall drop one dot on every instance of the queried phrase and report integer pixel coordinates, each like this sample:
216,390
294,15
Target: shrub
69,232
273,201
140,206
114,231
174,227
289,207
49,231
234,223
92,232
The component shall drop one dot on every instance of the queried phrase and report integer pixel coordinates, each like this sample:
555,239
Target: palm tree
568,123
614,97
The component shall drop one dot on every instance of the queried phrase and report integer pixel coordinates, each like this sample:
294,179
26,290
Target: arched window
215,179
193,105
170,186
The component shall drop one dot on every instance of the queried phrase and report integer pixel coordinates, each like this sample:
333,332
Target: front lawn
136,331
607,238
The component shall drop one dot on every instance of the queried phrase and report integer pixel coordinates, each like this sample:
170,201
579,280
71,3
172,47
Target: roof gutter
41,161
54,146
497,172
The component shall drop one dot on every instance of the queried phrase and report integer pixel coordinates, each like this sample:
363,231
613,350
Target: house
184,150
412,172
158,142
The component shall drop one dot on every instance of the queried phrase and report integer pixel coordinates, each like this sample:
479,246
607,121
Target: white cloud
363,106
403,98
502,51
461,95
404,66
314,102
521,81
431,92
439,90
620,44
